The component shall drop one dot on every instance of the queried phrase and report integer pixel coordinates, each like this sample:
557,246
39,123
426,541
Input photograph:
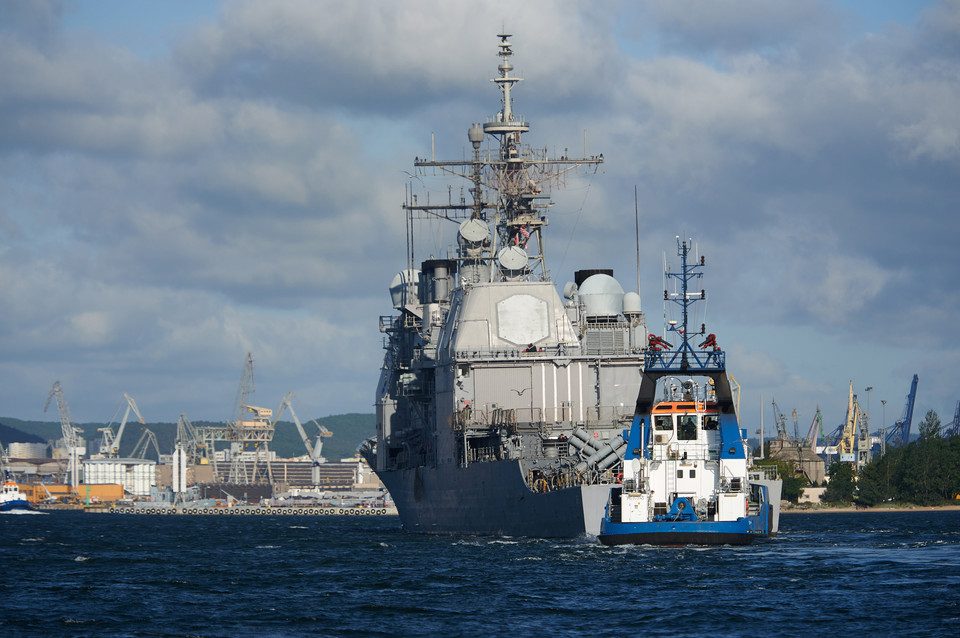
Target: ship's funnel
436,280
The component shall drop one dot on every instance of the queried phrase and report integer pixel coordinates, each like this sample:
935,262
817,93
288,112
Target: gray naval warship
501,405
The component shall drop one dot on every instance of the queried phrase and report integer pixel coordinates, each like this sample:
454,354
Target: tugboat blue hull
740,532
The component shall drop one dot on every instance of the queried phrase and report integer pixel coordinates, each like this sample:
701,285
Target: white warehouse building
135,475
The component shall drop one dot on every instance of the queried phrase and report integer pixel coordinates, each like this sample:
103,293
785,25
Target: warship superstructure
501,405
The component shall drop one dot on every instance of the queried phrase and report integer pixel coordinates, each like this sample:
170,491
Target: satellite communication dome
631,304
404,288
602,296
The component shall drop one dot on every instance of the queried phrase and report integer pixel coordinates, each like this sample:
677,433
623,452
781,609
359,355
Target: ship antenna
636,220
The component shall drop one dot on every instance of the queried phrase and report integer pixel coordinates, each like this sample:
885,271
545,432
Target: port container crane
899,434
110,443
71,433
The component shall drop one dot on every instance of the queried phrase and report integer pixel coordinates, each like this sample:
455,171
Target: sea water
828,574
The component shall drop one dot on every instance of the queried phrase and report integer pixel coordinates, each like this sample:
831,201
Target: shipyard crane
246,388
110,443
190,440
848,437
143,444
815,432
71,433
313,450
899,434
796,427
781,422
251,424
954,429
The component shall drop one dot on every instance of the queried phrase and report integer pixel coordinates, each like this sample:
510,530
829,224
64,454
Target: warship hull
492,499
501,406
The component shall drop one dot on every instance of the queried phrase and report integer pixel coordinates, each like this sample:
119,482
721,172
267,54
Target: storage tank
27,450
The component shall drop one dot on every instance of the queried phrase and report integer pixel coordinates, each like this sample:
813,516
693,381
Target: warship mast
510,188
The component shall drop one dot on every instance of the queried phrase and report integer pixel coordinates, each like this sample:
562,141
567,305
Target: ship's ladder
671,482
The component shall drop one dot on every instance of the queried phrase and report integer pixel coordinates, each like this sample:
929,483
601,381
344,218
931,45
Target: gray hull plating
492,498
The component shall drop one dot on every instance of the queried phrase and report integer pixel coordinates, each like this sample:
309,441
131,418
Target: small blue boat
11,498
686,478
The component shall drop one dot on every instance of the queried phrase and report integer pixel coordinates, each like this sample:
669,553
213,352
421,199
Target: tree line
923,472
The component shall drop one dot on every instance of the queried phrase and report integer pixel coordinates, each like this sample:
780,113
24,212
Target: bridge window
663,422
711,422
688,428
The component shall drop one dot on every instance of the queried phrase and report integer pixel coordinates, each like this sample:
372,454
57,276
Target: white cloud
160,218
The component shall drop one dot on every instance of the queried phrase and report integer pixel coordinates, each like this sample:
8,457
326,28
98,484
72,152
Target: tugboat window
663,422
688,428
711,422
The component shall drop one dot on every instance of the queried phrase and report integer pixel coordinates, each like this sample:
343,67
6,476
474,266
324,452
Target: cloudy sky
184,182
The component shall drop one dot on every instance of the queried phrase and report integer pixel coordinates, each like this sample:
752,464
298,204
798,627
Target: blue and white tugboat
685,478
11,498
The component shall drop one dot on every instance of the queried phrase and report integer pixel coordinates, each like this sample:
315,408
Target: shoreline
859,510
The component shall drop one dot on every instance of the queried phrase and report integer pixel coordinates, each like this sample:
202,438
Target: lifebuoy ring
620,477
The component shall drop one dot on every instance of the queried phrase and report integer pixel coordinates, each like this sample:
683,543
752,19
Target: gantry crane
110,443
313,450
242,430
899,434
71,433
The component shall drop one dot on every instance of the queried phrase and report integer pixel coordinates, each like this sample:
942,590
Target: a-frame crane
313,450
110,443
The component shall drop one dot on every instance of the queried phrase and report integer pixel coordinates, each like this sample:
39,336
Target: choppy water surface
73,574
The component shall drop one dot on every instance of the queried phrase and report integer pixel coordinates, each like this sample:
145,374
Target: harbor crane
899,434
781,422
110,443
816,429
190,440
249,424
312,450
71,433
954,429
848,437
143,444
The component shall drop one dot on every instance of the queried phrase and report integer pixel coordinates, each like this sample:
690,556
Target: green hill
349,431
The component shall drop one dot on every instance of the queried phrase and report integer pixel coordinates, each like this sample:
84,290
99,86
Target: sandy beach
851,508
